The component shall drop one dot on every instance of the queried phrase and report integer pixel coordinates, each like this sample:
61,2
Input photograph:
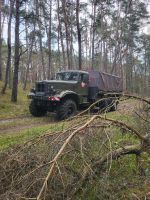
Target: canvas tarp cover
105,82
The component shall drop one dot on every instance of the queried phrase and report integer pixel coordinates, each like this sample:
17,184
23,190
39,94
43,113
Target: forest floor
17,126
14,124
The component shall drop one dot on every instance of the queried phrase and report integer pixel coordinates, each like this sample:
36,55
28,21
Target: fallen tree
59,165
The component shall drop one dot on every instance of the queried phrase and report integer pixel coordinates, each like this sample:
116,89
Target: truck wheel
112,104
109,105
113,107
67,109
36,111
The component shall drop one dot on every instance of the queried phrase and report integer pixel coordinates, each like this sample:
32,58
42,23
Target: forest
100,151
39,38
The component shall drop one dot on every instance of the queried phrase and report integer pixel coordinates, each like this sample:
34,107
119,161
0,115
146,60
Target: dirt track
17,124
18,128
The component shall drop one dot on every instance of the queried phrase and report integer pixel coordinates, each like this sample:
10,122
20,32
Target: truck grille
40,87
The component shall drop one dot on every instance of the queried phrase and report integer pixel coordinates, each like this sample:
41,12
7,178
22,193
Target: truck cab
68,91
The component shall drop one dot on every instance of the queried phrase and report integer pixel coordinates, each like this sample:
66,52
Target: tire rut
18,128
14,128
12,119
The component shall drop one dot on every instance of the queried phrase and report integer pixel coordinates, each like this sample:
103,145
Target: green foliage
9,109
116,179
19,137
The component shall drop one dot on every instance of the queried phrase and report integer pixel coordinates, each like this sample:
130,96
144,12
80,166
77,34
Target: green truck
72,90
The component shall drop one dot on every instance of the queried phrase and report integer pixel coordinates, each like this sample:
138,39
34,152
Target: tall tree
49,41
64,8
60,33
93,33
38,13
8,66
1,40
17,54
79,34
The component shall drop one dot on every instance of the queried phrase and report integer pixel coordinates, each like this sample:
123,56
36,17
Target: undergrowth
9,109
28,157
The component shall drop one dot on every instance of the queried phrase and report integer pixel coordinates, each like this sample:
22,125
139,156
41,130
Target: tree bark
28,64
40,40
17,56
61,35
49,42
93,34
67,33
79,34
8,66
0,40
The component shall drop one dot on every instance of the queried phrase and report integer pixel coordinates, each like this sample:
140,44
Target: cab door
83,87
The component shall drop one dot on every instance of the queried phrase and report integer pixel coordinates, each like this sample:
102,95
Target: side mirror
32,90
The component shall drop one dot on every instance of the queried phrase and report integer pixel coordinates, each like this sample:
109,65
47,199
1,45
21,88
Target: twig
59,154
123,125
97,165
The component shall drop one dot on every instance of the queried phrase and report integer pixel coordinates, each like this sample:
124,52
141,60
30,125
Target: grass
123,181
120,179
9,109
9,140
117,180
14,112
10,123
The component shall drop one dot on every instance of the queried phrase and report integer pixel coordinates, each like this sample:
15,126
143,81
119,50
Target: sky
145,28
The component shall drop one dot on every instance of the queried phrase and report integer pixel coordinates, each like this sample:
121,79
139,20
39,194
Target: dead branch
92,106
54,162
137,97
124,126
59,145
99,163
141,117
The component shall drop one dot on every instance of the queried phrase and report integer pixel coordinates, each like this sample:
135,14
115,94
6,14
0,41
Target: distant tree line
45,36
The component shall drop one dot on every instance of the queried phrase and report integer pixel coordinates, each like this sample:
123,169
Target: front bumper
49,102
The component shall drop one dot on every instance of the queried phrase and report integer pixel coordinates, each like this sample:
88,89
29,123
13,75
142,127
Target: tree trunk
49,42
67,32
0,40
79,34
8,66
93,34
71,45
40,40
17,56
28,64
58,46
105,57
29,53
61,35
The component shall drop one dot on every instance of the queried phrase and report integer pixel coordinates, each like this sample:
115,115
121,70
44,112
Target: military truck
72,90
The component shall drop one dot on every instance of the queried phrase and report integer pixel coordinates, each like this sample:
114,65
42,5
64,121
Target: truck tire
109,105
36,111
113,107
67,109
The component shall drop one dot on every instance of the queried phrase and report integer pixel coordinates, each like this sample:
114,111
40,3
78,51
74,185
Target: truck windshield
67,76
